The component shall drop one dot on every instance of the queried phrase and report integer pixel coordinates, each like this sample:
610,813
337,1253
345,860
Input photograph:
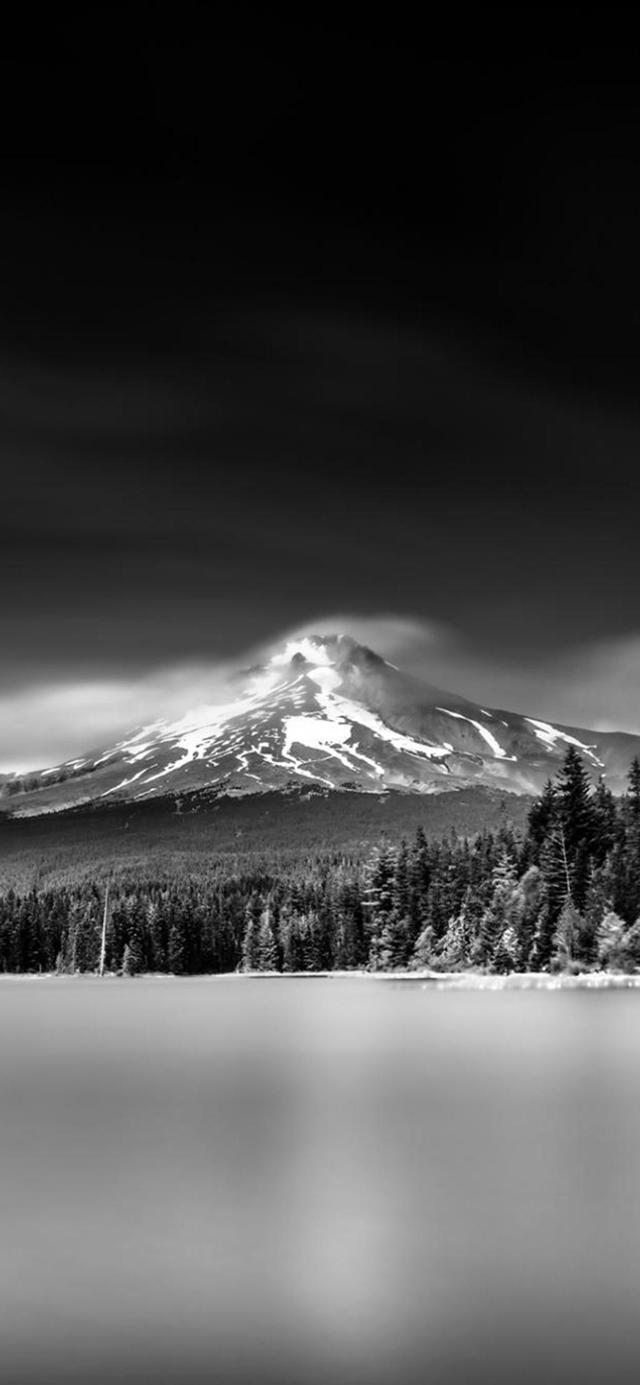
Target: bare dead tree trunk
566,865
105,916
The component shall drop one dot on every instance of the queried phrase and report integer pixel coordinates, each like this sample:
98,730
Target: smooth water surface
297,1180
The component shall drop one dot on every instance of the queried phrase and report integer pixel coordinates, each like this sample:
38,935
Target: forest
562,895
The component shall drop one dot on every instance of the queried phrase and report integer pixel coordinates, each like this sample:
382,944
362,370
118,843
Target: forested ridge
564,895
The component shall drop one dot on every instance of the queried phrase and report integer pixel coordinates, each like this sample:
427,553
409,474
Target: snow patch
140,752
550,734
289,764
315,732
340,709
123,785
198,731
498,750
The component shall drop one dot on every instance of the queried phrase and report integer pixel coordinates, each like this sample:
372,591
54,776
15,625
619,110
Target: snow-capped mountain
325,712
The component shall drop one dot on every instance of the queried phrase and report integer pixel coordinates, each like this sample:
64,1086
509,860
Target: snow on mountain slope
323,711
550,735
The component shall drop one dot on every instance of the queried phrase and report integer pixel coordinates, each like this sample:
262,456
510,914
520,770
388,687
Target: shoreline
463,981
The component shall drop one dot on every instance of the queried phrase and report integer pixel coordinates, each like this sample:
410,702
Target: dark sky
345,326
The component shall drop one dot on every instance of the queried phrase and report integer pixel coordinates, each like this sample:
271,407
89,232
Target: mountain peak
330,650
323,710
314,649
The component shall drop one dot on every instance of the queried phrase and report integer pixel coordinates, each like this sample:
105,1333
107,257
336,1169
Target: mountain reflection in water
217,1179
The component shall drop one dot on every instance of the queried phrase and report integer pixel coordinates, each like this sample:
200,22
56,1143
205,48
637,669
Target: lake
227,1178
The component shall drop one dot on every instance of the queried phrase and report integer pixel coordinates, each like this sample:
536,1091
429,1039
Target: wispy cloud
43,725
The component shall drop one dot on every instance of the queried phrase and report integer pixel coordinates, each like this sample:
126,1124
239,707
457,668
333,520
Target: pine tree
566,938
606,815
305,932
400,890
542,945
633,793
438,911
267,950
158,933
452,953
424,949
176,953
136,940
419,879
597,904
377,900
116,938
578,819
135,955
251,954
350,949
529,904
542,818
392,944
506,951
389,906
629,896
608,939
628,948
83,941
289,941
128,962
574,798
628,892
556,872
499,913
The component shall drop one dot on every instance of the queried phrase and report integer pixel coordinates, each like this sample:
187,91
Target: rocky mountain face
324,713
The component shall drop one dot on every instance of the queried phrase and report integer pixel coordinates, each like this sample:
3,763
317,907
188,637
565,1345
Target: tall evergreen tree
608,939
566,939
251,943
267,943
452,953
377,899
424,950
177,949
578,822
500,912
542,818
529,904
633,793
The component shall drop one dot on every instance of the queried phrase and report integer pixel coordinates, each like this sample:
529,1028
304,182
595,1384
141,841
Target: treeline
562,896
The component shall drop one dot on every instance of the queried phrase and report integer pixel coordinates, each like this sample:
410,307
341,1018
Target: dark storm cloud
353,332
303,461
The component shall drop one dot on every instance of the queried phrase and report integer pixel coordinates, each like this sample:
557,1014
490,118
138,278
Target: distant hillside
161,833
